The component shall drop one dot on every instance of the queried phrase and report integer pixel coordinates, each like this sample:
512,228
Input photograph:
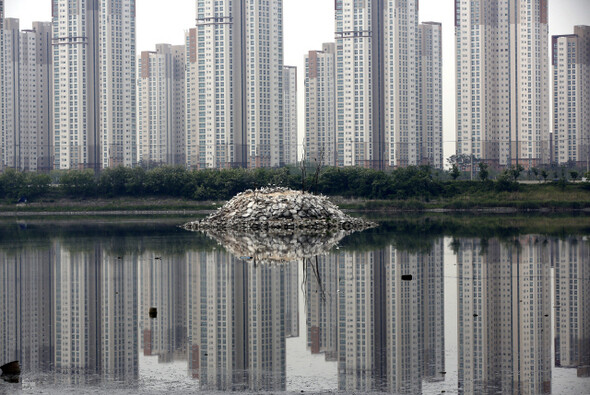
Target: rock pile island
279,210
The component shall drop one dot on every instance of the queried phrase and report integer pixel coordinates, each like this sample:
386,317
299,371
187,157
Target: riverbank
108,207
529,198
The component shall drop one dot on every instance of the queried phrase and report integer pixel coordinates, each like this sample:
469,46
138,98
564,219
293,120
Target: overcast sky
307,24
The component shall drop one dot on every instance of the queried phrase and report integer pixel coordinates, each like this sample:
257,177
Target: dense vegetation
413,184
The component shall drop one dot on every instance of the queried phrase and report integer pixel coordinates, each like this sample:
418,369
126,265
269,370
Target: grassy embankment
528,197
550,196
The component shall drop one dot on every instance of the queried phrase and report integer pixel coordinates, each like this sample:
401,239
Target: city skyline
563,15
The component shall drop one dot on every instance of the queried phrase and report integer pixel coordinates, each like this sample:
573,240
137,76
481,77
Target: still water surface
508,313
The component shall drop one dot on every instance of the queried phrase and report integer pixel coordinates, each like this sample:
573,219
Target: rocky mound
279,210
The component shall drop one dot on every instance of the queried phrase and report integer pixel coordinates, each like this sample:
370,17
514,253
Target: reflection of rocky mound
279,210
268,248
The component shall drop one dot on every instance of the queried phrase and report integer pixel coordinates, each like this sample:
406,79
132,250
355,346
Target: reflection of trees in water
408,233
311,268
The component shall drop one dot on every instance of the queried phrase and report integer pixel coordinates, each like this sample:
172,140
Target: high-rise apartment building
401,91
288,145
430,114
1,74
357,90
10,94
571,97
235,85
380,108
160,134
76,84
117,61
502,81
320,105
94,83
26,127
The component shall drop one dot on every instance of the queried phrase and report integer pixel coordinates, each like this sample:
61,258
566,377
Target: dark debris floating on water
10,372
280,210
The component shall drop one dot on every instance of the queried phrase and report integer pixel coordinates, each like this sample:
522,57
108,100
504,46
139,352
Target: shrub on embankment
407,188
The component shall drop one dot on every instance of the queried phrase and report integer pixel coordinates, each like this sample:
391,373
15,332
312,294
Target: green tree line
414,182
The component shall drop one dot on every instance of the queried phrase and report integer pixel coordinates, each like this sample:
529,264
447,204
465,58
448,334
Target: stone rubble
279,210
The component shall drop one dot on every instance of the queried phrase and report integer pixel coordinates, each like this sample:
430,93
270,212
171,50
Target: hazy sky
307,24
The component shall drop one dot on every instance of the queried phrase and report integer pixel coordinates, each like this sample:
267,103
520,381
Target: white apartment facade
117,80
234,88
502,81
75,84
94,83
2,83
26,85
430,114
160,133
288,150
354,91
571,97
380,108
402,91
320,105
9,144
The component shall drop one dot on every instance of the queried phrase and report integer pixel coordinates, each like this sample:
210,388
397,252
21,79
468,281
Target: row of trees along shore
415,182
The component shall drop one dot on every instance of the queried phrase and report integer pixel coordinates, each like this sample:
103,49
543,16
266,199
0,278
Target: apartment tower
94,83
320,105
571,98
118,120
2,83
288,146
430,114
161,106
502,81
9,144
234,93
27,72
379,97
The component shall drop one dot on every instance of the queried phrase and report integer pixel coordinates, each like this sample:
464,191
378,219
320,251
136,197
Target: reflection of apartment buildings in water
26,318
572,303
321,292
291,299
119,324
69,309
504,316
95,309
414,318
77,283
236,322
390,331
163,286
